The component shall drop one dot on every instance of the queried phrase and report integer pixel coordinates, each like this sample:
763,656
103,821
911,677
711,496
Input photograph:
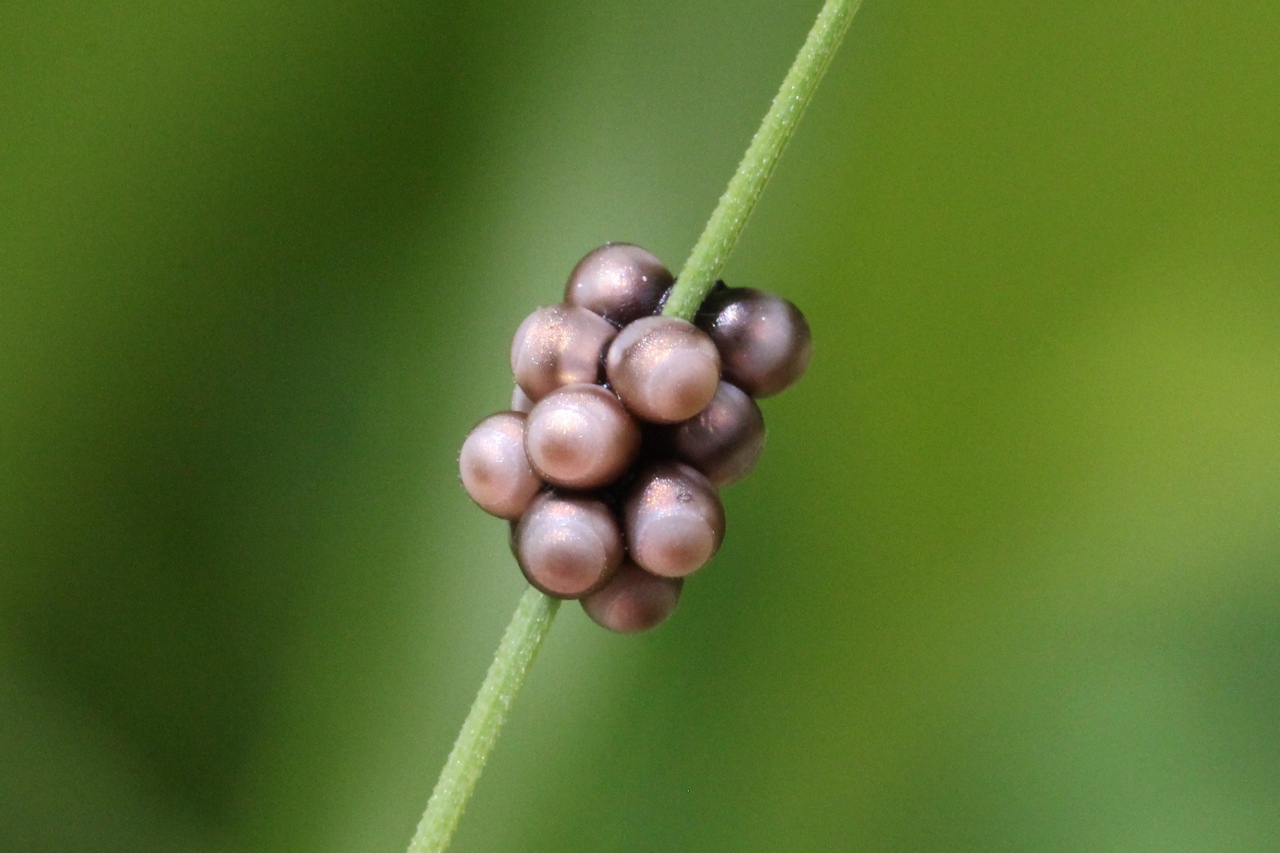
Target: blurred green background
1007,578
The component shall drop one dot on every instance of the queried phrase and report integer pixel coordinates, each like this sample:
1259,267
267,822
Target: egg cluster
622,427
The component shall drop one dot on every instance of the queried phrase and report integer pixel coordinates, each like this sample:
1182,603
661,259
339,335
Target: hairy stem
519,646
535,613
712,250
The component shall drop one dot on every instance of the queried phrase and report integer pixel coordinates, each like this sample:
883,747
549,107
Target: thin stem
535,613
519,646
710,253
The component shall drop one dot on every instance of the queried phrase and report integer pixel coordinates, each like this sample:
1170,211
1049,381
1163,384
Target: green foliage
1004,579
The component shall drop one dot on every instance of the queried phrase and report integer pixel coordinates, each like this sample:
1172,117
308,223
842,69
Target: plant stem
519,646
710,253
536,612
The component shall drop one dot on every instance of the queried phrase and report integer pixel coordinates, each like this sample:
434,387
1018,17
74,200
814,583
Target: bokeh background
1008,575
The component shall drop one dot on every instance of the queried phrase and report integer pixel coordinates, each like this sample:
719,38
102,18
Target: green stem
710,253
519,646
534,615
